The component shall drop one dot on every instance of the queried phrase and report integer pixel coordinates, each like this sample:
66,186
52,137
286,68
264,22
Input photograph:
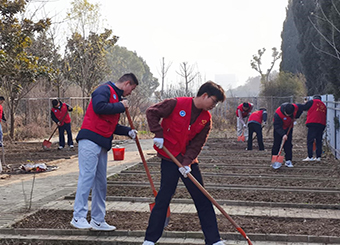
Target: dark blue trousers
288,146
169,181
255,127
315,132
66,127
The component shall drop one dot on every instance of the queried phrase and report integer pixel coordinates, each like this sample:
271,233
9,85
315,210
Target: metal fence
332,131
37,111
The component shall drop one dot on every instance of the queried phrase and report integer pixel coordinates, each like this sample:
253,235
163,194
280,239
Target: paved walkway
51,186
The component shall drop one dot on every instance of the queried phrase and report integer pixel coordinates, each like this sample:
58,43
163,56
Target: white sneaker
220,243
148,243
80,223
101,226
71,146
289,164
308,159
317,159
60,147
276,165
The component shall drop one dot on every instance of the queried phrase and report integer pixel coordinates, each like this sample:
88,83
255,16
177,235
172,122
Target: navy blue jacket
100,102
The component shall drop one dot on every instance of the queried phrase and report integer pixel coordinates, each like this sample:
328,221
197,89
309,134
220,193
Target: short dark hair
2,98
317,97
289,109
129,77
246,104
54,103
262,109
212,89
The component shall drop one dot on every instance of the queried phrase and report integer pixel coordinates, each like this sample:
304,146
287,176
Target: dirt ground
17,154
225,165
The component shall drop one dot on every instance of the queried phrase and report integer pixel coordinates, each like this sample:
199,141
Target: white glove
264,124
244,125
184,171
158,142
133,133
295,122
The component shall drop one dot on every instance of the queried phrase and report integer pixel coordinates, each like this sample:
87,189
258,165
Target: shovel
146,169
47,143
206,193
242,137
278,158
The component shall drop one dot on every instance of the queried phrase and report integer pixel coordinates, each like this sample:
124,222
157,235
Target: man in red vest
256,119
284,118
2,118
59,114
186,123
242,112
94,141
316,124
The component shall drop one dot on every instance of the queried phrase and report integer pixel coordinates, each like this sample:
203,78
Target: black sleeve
300,110
3,117
54,118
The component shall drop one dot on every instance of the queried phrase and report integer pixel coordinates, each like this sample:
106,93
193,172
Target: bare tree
256,63
164,71
188,73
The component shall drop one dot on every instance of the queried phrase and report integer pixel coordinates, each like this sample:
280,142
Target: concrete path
50,186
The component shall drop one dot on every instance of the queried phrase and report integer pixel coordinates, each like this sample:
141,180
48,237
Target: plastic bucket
118,153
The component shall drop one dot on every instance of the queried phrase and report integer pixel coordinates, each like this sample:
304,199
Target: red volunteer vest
287,121
103,125
59,114
317,113
244,113
1,111
177,131
256,116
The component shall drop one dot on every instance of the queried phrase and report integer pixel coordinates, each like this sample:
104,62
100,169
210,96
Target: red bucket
118,153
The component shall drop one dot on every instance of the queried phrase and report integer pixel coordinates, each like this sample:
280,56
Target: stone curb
221,202
174,235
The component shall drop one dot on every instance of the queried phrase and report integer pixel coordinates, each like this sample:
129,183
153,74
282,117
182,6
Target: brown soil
226,166
190,222
21,153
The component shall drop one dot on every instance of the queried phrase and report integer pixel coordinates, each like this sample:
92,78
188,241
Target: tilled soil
230,173
190,222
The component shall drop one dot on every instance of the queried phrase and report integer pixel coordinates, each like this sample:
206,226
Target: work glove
184,171
244,125
158,142
295,122
133,133
264,124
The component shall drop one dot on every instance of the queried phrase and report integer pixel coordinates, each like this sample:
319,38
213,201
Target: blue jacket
100,98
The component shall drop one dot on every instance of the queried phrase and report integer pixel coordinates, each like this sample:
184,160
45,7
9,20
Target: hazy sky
219,36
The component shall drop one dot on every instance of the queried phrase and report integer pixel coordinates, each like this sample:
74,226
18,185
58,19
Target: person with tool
59,114
257,120
316,124
186,123
242,112
284,120
94,141
2,118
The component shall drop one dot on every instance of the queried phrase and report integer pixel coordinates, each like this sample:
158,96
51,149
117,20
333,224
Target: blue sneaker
289,164
276,165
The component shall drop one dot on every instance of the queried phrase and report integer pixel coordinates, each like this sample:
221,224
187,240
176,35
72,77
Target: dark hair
54,103
289,109
212,89
129,77
262,109
317,97
2,98
246,104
